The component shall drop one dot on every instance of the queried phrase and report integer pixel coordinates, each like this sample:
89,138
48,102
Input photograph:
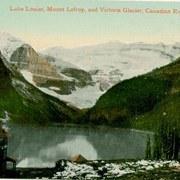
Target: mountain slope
141,102
25,103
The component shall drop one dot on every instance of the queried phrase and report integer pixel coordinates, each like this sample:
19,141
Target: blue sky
45,29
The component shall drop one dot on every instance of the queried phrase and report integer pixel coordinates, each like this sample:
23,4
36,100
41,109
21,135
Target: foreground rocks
99,170
141,169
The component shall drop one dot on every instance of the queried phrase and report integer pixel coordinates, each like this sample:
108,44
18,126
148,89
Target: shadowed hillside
141,102
22,102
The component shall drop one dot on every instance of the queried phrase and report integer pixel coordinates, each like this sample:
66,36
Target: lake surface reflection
41,147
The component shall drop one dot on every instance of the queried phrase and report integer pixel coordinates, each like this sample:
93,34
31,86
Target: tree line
166,143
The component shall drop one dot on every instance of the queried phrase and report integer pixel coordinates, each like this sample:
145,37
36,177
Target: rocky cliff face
25,57
46,75
81,77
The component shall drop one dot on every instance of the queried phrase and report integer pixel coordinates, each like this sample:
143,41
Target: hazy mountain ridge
8,44
58,63
114,55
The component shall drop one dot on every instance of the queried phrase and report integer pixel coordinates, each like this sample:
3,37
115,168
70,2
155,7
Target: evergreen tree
166,142
157,147
175,143
148,147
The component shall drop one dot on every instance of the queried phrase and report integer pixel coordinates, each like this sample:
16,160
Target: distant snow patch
54,88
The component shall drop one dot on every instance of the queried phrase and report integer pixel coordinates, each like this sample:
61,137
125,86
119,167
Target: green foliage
26,104
140,102
148,148
152,119
156,147
129,98
166,142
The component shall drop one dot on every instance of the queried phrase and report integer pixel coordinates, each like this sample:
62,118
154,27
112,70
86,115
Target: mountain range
116,80
79,76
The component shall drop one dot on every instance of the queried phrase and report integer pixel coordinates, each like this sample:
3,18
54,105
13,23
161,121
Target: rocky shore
119,169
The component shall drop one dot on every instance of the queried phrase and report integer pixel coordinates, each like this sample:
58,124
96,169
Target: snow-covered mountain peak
8,44
117,54
9,37
26,46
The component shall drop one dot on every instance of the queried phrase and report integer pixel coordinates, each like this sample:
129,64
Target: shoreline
110,169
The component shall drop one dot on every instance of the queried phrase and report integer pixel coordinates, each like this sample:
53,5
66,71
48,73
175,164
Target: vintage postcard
89,89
